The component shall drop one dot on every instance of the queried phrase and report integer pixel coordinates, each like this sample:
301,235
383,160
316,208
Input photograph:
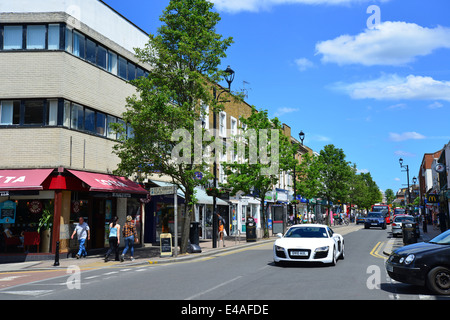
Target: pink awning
31,179
108,183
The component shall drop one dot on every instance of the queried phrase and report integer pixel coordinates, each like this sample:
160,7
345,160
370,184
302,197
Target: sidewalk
395,243
143,256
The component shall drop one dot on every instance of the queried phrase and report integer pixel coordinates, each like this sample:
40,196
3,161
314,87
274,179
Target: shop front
40,207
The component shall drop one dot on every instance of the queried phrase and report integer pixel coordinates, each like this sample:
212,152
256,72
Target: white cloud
390,43
234,6
319,138
362,171
435,105
285,110
303,64
397,137
397,179
394,87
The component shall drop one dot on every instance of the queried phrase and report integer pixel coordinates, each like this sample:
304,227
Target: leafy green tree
262,159
335,175
184,57
390,196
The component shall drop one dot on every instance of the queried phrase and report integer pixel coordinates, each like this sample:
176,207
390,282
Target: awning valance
27,179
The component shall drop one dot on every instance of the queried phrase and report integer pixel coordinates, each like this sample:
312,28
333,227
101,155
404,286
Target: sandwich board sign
165,244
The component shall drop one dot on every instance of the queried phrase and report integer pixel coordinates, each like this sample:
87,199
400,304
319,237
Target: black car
424,264
375,219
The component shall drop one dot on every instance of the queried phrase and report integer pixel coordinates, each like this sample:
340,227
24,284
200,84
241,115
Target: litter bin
193,233
250,230
409,232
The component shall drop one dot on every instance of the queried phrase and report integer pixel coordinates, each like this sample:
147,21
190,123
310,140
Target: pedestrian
221,229
130,237
114,239
83,232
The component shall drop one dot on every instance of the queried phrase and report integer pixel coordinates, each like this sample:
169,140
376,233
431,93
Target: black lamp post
301,136
407,177
229,77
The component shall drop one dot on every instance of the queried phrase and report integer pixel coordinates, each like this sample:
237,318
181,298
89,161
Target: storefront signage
165,244
432,198
121,195
440,167
35,206
8,212
4,193
162,191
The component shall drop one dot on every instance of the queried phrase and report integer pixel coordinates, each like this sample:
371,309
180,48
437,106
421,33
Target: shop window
77,117
12,37
101,57
89,120
53,37
79,44
123,68
36,36
91,51
34,112
10,112
52,112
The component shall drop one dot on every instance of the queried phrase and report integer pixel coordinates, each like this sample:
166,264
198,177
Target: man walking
83,232
130,237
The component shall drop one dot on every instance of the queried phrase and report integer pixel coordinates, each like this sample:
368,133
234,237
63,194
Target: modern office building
64,72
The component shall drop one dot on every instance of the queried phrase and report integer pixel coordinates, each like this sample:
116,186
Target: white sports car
309,243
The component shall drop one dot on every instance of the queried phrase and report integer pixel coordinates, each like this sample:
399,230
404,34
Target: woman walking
129,236
114,239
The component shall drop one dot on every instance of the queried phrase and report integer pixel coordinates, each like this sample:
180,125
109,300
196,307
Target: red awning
31,179
108,183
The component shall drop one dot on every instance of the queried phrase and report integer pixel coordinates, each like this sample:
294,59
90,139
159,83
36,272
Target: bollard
56,264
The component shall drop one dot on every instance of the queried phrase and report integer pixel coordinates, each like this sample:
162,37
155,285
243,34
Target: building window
110,131
91,51
12,37
131,71
69,40
222,124
101,57
112,62
36,36
10,112
67,112
100,124
123,68
78,44
123,127
89,120
34,112
77,117
53,37
52,112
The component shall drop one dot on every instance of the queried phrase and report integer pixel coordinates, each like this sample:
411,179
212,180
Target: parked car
398,223
360,219
423,264
309,243
375,219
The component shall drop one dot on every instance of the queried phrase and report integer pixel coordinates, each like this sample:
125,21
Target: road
248,274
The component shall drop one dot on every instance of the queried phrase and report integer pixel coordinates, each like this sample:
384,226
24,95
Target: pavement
395,243
148,255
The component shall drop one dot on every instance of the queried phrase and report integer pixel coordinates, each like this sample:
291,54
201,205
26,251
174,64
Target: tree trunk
185,231
263,220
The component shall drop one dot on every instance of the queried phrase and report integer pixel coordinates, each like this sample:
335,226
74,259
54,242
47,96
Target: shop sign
432,198
165,244
35,206
440,167
8,212
4,193
121,195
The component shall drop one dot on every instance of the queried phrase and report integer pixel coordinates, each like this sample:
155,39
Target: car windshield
443,238
380,209
404,218
306,232
374,215
399,211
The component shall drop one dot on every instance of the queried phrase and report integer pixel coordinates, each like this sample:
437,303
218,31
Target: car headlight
277,248
322,249
409,259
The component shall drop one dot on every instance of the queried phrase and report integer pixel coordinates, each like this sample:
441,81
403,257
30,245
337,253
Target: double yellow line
376,251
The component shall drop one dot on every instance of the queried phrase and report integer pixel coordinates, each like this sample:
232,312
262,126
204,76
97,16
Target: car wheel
342,257
439,280
334,261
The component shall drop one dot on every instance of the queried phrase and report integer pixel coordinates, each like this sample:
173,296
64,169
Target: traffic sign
159,191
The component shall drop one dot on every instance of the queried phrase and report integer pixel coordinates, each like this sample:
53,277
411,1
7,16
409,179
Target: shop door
98,224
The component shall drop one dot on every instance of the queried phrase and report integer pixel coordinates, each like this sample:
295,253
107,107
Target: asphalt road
245,275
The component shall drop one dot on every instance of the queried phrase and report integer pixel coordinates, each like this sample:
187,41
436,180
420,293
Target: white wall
93,13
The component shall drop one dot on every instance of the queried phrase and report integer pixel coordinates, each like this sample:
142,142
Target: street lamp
229,78
407,177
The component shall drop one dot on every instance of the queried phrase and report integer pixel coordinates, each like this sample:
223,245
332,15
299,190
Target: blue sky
379,91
